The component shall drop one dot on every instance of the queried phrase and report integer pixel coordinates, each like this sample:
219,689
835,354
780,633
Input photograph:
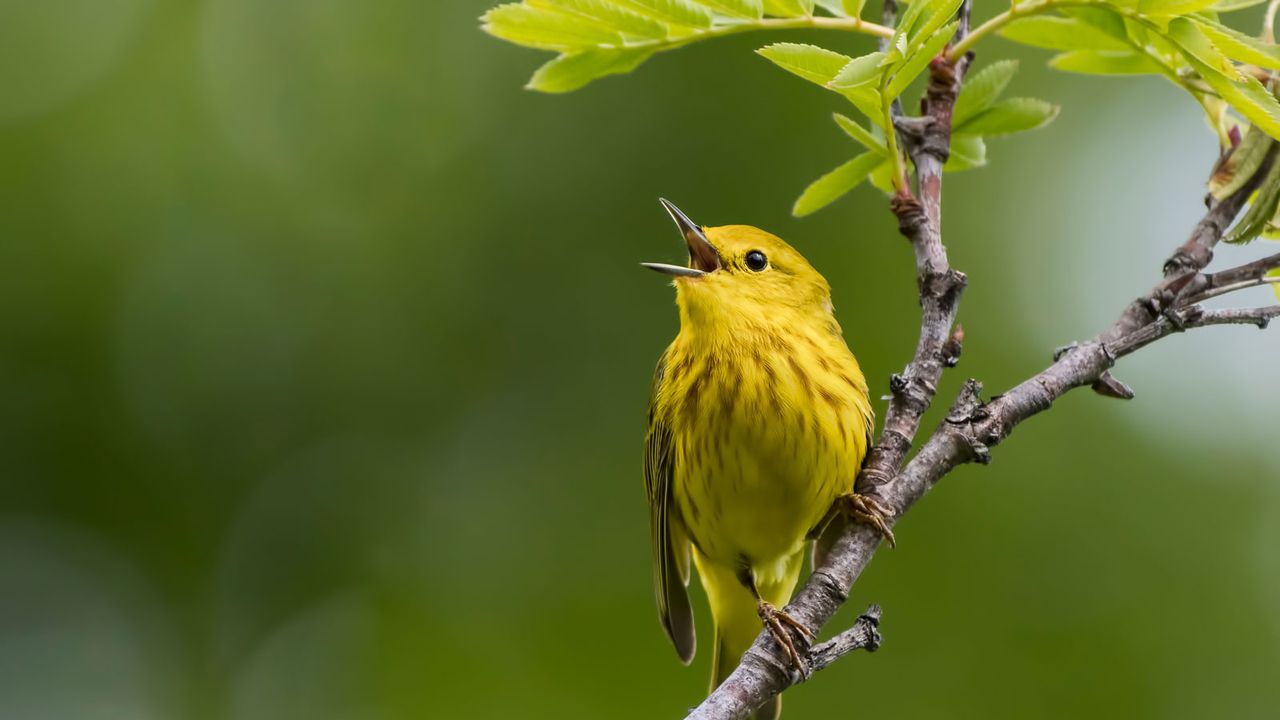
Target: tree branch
763,671
973,427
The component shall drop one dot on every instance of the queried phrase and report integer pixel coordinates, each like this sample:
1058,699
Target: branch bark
972,427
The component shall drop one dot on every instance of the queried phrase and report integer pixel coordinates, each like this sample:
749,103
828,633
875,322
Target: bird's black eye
756,261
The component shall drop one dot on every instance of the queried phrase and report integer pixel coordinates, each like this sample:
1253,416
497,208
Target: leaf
860,134
919,61
967,152
936,14
1241,164
858,71
981,89
853,8
614,17
788,8
830,187
545,29
1233,5
833,7
1247,96
1059,33
570,72
882,177
815,64
1196,47
745,9
1173,7
1261,209
896,52
867,99
1010,116
1105,62
676,12
908,19
1239,46
1100,19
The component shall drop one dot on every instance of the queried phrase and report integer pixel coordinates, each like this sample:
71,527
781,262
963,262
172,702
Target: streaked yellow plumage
759,419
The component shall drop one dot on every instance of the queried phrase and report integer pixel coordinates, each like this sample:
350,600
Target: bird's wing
670,543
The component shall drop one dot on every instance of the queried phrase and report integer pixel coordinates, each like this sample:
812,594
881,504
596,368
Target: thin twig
1210,285
864,635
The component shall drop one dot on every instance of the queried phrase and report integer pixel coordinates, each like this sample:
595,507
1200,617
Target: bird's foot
865,509
777,622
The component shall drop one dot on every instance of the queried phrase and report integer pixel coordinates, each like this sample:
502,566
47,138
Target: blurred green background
324,356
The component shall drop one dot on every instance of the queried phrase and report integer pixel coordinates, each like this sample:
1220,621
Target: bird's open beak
703,257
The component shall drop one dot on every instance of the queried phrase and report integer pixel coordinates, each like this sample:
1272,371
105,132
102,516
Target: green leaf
1249,98
830,187
1239,46
1232,173
788,8
897,50
1010,116
810,62
936,14
981,89
545,29
908,20
675,12
608,14
1059,33
1233,5
858,71
919,61
570,72
853,8
867,99
882,177
860,134
1173,7
967,152
833,7
1100,19
1105,62
1197,48
745,9
1261,209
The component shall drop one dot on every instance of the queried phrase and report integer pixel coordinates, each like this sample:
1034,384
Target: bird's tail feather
737,620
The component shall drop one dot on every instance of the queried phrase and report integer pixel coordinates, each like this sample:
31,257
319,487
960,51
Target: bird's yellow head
738,273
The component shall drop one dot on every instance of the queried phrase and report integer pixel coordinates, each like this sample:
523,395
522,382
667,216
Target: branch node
911,217
898,384
1108,385
952,347
1062,350
872,618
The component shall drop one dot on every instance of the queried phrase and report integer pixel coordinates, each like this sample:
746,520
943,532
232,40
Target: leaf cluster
979,113
1184,41
595,38
1181,40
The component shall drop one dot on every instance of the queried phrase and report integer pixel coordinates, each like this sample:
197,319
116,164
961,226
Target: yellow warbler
758,423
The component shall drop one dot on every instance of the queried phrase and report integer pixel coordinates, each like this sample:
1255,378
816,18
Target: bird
758,423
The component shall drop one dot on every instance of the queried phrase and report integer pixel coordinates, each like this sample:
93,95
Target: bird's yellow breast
770,424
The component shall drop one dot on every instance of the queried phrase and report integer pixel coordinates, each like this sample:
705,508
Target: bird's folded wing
670,543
